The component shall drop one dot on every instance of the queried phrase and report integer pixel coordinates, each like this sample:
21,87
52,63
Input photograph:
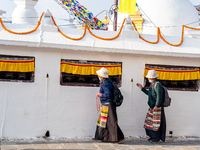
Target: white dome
169,15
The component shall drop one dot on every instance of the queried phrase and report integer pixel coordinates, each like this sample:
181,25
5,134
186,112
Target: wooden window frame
117,77
169,82
31,74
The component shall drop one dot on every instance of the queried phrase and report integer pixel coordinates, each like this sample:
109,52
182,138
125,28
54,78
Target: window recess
17,68
83,72
181,78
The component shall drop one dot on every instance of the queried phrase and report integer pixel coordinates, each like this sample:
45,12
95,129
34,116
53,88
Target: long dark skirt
161,133
112,132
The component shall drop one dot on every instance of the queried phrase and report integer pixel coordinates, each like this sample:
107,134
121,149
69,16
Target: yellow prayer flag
127,7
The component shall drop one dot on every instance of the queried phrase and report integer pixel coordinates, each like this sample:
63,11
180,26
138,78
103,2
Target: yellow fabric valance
17,64
176,74
87,68
127,7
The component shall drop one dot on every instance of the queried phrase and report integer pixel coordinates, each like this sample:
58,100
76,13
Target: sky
92,5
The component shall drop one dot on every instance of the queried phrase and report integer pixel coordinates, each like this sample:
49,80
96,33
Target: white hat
152,74
103,72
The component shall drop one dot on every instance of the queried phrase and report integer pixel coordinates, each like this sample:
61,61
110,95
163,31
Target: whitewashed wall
28,110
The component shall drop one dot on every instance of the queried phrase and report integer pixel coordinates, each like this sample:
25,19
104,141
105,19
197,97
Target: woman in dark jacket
107,126
155,123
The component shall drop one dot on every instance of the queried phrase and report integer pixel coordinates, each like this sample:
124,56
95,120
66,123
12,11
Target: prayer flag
127,7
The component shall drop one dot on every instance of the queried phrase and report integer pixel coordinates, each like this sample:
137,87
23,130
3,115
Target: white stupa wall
28,110
169,15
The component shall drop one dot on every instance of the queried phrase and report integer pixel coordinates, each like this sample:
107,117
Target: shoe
155,141
119,142
94,139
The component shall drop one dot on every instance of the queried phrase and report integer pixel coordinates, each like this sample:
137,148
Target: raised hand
139,85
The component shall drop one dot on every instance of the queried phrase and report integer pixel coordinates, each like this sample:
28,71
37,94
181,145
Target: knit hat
152,74
103,72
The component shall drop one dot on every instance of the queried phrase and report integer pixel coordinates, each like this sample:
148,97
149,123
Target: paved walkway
87,144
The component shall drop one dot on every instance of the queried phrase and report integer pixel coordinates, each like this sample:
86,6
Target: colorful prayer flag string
84,16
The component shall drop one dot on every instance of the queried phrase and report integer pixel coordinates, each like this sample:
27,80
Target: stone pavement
87,144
